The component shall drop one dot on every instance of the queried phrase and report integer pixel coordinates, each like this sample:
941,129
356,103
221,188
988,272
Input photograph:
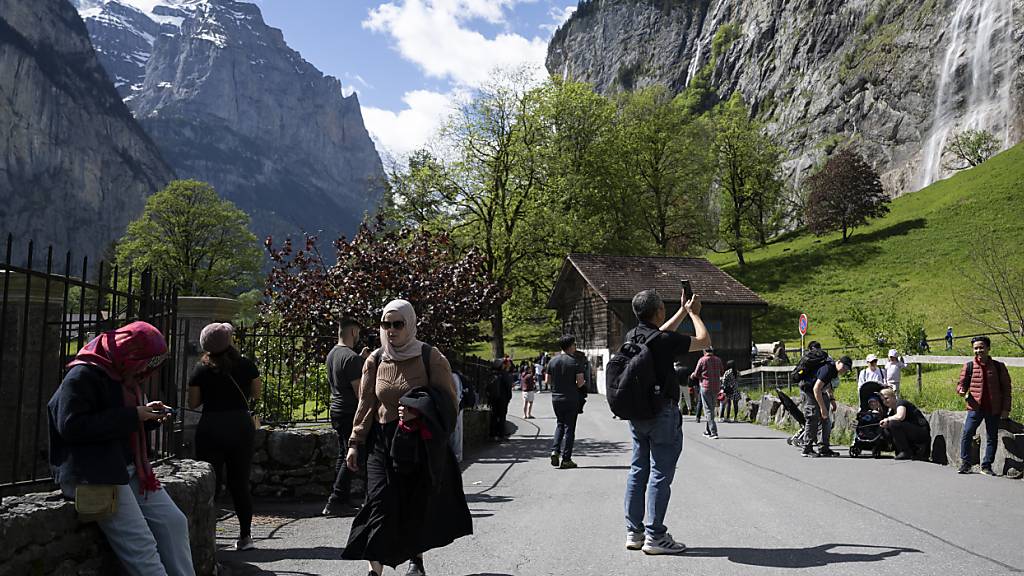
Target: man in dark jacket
985,385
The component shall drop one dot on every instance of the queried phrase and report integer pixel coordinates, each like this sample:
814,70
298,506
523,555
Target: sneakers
567,464
828,453
707,434
634,540
809,454
903,456
416,568
965,468
244,543
665,544
554,459
339,509
986,469
713,436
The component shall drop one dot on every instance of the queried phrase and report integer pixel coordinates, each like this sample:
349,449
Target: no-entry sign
803,324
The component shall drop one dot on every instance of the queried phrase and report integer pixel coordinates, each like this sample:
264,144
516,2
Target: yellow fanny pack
95,502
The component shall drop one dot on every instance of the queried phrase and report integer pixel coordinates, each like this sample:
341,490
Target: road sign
803,324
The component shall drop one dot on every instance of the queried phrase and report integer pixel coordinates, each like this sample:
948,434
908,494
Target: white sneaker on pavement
665,544
634,540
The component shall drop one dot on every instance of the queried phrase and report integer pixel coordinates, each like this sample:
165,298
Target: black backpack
809,363
634,392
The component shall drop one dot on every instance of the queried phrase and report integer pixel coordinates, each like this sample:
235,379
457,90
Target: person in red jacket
985,385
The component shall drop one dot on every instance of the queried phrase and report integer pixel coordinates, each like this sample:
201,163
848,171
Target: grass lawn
914,258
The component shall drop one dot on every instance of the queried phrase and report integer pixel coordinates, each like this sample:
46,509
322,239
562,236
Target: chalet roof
618,278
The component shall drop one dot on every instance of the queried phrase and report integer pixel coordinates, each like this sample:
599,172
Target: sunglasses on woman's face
397,324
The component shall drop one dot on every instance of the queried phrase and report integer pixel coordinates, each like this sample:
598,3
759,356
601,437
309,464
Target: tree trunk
737,235
498,333
844,233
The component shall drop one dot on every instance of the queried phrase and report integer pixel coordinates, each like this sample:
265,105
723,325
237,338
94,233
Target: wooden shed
593,300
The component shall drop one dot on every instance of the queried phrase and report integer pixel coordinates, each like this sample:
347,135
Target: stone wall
300,462
946,428
41,533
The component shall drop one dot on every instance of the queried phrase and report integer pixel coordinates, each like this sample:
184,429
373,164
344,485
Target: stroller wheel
789,441
854,451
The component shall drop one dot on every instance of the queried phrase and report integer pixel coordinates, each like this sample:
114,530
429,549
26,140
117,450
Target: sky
411,61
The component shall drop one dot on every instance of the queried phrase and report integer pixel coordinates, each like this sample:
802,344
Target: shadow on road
813,557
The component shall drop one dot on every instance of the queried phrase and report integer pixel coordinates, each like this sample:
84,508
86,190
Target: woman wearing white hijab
402,516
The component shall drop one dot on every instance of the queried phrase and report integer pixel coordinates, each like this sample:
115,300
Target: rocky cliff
895,77
228,102
75,167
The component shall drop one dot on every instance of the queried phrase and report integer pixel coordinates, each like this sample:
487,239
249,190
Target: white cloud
433,35
558,17
399,133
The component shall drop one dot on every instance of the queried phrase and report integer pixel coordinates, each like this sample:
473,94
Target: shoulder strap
239,388
425,353
969,372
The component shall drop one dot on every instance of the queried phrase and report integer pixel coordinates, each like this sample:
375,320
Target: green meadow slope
914,258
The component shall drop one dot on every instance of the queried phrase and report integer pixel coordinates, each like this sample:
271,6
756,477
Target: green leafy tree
845,193
665,169
191,236
746,172
969,148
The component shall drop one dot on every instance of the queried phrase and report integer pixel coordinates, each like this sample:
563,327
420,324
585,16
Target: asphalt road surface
746,503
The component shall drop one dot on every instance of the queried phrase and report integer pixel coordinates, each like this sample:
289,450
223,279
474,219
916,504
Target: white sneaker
245,544
663,545
634,540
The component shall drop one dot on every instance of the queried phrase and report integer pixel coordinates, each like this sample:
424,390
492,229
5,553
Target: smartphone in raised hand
687,290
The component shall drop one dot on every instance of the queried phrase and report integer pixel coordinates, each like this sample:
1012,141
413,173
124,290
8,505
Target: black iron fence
50,307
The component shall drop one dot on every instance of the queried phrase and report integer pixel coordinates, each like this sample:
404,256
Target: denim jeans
971,424
657,444
708,400
566,414
148,533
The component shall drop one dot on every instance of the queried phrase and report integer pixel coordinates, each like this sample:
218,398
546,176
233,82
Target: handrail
1016,362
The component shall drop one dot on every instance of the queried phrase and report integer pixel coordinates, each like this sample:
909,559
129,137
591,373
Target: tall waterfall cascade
975,80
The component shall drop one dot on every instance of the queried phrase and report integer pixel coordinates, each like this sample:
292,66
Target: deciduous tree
845,193
190,235
969,148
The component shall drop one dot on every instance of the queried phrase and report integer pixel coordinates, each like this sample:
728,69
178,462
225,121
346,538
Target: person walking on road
529,386
499,395
227,385
949,338
986,388
565,380
407,410
344,370
658,441
683,377
730,387
709,373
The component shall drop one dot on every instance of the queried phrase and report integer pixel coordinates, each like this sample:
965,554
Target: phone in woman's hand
687,290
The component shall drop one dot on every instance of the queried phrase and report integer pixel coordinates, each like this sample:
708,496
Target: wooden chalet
593,299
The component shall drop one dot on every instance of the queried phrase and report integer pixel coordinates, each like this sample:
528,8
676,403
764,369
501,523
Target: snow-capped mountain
228,102
75,167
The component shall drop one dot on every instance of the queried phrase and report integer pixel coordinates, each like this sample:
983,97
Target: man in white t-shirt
893,370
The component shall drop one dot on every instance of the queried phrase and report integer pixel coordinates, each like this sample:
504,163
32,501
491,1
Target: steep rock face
228,102
894,77
75,167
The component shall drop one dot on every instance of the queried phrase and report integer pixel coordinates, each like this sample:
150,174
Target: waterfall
973,91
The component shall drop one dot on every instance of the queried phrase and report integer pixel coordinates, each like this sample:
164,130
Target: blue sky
409,60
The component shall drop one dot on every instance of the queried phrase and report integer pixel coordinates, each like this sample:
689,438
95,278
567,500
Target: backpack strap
425,353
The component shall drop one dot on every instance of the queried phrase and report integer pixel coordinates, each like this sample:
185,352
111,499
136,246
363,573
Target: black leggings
224,439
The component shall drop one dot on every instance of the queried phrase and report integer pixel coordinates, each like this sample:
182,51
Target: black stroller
800,438
868,434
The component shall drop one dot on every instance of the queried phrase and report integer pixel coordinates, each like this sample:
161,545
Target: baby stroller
800,438
868,434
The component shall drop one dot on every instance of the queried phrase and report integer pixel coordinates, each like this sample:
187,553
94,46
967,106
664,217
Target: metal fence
49,309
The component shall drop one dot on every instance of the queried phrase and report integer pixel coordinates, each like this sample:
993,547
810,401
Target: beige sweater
381,388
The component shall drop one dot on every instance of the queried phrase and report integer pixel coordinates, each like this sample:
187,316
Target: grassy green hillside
912,258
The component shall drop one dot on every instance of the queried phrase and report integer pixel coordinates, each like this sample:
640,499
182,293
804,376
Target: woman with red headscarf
98,420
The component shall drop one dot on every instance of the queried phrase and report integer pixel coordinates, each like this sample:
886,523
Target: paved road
744,504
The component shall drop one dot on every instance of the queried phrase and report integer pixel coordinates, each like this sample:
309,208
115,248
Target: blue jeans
971,424
657,444
148,533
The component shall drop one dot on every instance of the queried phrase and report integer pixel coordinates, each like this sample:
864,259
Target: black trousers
342,424
910,438
224,439
499,411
